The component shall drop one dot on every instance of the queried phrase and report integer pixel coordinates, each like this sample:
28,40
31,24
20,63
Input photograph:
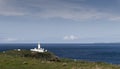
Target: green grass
17,62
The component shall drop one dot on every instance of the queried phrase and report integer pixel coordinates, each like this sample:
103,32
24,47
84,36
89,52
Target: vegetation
25,59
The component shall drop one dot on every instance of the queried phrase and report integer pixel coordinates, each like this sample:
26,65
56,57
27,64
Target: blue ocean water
109,53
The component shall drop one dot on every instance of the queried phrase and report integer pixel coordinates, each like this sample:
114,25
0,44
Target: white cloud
70,37
10,39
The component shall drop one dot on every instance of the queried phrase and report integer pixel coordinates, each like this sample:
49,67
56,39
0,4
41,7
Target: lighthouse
38,45
38,49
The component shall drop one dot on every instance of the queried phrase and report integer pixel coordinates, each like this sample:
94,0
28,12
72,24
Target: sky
59,21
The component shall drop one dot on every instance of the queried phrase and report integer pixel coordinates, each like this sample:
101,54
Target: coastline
13,60
100,52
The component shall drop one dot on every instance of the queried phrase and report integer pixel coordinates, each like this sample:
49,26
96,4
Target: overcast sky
59,21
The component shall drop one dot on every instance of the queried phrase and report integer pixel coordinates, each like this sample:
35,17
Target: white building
39,49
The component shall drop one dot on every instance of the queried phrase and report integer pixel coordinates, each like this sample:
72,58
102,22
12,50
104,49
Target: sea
99,52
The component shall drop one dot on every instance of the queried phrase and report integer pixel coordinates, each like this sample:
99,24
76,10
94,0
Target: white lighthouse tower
39,49
38,45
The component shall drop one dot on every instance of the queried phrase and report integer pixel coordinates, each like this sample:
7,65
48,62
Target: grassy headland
25,59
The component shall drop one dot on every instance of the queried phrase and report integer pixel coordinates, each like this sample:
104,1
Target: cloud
10,39
71,37
7,9
68,9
